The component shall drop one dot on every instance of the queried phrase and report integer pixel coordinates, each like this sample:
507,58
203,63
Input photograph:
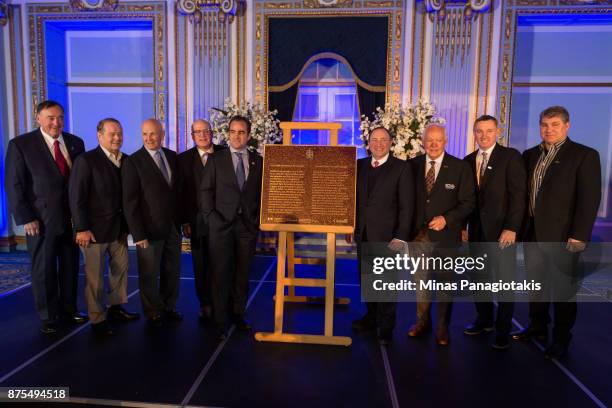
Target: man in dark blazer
499,175
444,199
151,188
385,203
564,191
37,171
100,227
191,165
229,200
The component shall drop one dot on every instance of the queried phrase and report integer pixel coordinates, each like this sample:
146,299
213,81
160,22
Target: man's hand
464,236
84,238
574,245
397,245
144,244
32,228
437,223
506,238
187,230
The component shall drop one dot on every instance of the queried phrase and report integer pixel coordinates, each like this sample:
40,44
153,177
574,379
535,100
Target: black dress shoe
478,328
102,329
242,325
502,342
220,332
174,315
366,323
117,312
205,314
529,333
155,321
75,318
48,327
556,350
385,336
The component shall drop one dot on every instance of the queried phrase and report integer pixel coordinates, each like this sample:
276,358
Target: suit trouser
234,248
95,260
161,258
383,313
501,265
202,269
55,269
423,246
554,267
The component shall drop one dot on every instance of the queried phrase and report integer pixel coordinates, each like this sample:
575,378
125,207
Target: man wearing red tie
37,170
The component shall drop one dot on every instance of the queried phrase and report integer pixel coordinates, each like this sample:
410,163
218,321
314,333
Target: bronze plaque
309,185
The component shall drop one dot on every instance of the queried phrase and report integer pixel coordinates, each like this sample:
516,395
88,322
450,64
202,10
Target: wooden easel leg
290,262
329,284
280,283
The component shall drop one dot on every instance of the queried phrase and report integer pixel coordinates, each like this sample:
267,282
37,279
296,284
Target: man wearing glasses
192,164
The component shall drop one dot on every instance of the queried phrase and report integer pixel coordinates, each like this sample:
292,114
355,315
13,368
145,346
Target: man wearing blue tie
229,200
151,181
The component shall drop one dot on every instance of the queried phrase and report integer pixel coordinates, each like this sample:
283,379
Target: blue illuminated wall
4,137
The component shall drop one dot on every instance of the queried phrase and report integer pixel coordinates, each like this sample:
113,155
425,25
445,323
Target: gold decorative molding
224,8
99,5
278,6
396,68
379,4
327,3
398,25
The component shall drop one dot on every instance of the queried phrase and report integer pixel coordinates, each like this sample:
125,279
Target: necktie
60,160
240,174
483,165
204,158
430,178
162,166
376,163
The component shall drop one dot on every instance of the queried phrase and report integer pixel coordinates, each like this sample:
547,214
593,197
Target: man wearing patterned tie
229,201
385,203
500,207
192,164
444,200
151,188
37,171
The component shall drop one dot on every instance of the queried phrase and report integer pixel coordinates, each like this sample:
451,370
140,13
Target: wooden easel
286,251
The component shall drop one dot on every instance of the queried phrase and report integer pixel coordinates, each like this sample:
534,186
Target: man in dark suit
229,200
444,199
385,202
499,175
37,171
151,182
97,217
564,191
191,165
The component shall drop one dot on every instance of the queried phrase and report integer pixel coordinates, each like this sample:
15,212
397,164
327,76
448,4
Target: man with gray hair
444,199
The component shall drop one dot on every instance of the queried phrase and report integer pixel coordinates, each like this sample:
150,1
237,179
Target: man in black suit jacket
385,202
564,191
97,218
499,175
37,171
444,199
151,187
229,200
191,165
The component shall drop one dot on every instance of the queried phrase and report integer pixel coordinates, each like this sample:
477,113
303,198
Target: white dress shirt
245,160
380,161
437,165
115,160
164,160
50,141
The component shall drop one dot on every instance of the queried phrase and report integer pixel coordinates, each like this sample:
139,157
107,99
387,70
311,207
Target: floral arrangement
406,125
264,125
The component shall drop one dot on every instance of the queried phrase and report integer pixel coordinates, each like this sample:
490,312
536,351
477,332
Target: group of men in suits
67,198
435,201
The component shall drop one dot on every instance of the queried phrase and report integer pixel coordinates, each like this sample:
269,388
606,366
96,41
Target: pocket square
449,186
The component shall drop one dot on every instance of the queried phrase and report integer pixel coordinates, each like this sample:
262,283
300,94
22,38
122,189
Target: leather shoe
76,318
556,350
366,323
529,333
477,328
205,314
174,315
385,336
102,329
48,327
117,312
502,342
242,324
442,337
155,321
418,329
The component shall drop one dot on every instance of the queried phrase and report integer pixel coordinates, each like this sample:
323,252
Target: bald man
151,182
192,164
445,197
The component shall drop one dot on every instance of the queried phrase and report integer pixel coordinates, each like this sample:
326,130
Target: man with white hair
444,199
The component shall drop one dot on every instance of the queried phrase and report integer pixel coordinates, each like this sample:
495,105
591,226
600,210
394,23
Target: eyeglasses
201,132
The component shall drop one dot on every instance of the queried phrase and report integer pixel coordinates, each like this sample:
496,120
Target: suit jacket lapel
441,175
70,147
45,152
253,163
149,159
557,161
228,166
386,168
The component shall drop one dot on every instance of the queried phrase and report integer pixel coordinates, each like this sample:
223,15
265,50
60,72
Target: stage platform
181,364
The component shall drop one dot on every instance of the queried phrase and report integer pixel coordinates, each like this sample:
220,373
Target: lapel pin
489,167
